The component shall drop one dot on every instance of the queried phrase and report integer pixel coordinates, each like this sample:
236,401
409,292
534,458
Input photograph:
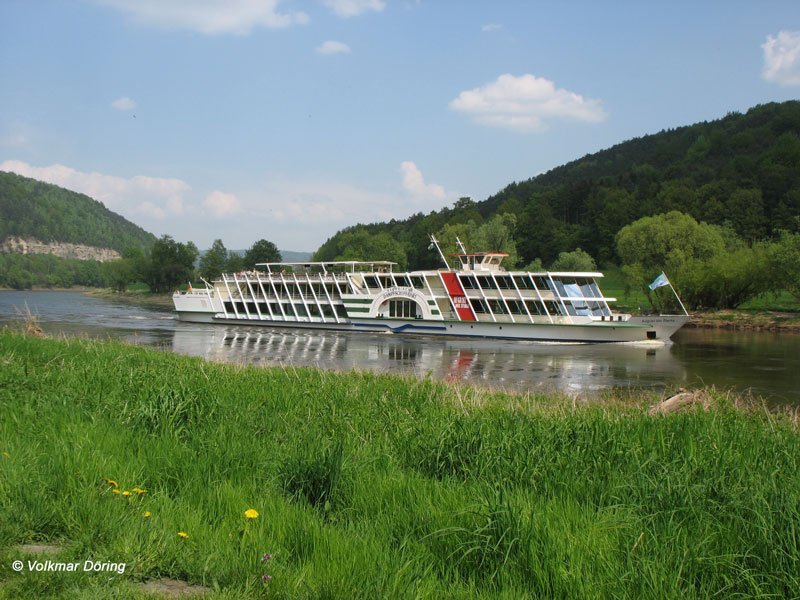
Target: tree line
165,266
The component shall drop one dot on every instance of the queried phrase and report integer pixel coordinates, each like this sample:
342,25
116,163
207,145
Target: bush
709,265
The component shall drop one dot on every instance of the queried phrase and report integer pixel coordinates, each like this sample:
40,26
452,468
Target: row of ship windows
535,307
486,282
302,310
515,307
304,289
503,282
388,281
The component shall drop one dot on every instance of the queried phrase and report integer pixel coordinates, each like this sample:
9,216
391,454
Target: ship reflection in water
514,366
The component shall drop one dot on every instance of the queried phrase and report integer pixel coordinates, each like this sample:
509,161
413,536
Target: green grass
782,302
371,486
613,285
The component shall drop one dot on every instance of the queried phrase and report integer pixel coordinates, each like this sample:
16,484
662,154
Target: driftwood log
682,400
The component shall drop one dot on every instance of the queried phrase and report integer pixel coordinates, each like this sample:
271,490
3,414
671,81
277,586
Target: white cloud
209,16
124,103
222,204
154,197
525,103
333,47
782,58
353,8
415,183
490,27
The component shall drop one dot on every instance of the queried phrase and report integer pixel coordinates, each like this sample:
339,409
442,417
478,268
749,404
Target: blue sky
288,120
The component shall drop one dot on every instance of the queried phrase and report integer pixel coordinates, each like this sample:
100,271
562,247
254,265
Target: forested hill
48,213
742,170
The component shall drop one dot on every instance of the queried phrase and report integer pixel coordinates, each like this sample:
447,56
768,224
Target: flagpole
686,312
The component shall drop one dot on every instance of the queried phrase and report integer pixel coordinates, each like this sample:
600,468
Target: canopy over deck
332,265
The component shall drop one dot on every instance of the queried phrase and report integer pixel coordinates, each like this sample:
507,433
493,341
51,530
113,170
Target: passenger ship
477,299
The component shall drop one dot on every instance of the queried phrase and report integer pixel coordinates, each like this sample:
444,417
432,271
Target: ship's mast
435,243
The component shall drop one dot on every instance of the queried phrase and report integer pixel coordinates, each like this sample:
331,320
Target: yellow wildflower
126,493
146,514
115,491
139,490
251,513
183,535
112,483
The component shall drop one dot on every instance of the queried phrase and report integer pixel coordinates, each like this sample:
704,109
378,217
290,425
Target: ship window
327,311
523,283
504,282
541,282
275,308
497,307
301,310
405,309
402,281
371,282
468,283
313,310
418,282
516,307
228,306
553,308
534,307
341,311
478,305
486,283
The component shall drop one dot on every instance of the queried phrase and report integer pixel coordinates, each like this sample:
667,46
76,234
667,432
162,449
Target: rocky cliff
62,249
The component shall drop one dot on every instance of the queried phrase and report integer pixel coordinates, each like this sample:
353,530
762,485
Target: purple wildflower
266,578
267,556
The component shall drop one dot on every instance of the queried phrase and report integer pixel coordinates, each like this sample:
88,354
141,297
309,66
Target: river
764,364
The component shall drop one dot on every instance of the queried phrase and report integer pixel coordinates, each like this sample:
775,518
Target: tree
235,263
362,245
745,209
536,266
495,235
784,258
709,265
213,262
117,274
666,241
171,263
577,260
262,251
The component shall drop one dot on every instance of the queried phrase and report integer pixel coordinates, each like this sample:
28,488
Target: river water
764,364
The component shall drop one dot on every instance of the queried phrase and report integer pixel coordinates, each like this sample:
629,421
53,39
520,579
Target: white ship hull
634,330
478,301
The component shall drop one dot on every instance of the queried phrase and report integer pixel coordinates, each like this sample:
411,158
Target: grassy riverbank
771,312
141,297
373,486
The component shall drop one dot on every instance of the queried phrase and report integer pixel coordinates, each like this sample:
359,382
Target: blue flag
659,281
